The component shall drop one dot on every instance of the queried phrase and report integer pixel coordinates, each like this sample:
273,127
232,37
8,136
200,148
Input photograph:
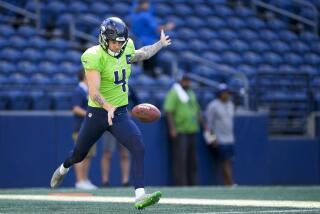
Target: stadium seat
26,67
280,47
17,42
260,46
163,9
19,100
207,34
164,80
26,31
145,80
249,35
53,55
39,100
69,68
246,69
4,100
309,69
121,8
179,46
183,10
287,35
308,37
216,23
32,55
186,33
293,59
6,31
256,24
63,79
56,7
276,24
39,79
243,12
72,56
144,96
227,34
236,23
158,98
287,68
312,59
64,19
100,8
231,58
37,42
202,11
10,54
268,35
61,100
240,46
218,46
7,68
252,58
300,47
272,58
77,7
266,68
212,57
222,11
198,46
18,79
58,44
48,68
194,22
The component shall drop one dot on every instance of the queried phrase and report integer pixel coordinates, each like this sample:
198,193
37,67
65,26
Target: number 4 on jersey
122,81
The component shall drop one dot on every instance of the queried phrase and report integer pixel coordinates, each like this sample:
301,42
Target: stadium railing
313,23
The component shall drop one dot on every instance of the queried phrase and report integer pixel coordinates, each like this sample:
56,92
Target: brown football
146,112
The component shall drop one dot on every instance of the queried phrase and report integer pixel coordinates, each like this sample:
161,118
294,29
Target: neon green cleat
148,200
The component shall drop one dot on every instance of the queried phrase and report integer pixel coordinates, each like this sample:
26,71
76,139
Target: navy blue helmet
115,29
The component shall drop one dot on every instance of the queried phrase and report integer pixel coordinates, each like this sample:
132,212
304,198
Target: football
146,112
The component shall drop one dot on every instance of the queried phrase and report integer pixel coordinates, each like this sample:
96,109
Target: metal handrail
313,23
24,12
226,69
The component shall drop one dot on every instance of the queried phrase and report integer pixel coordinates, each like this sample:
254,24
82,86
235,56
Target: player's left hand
165,39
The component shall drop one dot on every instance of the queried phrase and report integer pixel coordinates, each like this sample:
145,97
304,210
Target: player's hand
164,39
110,109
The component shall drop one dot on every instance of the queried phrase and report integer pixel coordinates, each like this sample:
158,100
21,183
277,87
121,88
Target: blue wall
32,146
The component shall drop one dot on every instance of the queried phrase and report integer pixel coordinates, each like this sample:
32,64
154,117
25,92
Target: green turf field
175,200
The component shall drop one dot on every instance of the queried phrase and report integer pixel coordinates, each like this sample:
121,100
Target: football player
108,68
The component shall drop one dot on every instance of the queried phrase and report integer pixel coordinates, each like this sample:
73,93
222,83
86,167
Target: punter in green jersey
108,68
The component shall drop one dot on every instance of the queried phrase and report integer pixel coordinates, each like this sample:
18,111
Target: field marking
183,201
265,211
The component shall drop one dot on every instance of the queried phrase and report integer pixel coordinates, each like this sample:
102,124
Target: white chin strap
114,54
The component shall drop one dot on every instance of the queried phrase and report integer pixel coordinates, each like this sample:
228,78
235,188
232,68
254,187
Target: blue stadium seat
243,12
158,98
69,68
216,23
267,68
256,24
309,69
166,57
202,11
300,47
288,35
260,46
268,35
178,21
32,55
315,48
17,42
10,54
194,22
212,57
121,8
18,79
163,9
231,58
6,31
26,31
72,56
37,42
186,34
236,23
179,46
100,8
207,34
293,59
7,67
3,79
39,100
312,59
3,42
288,68
222,11
227,34
308,37
63,79
164,80
26,67
78,7
58,44
240,46
198,46
280,47
63,20
56,7
48,68
144,96
272,58
19,100
218,45
252,58
276,24
61,100
205,98
183,10
53,55
40,79
145,80
249,35
246,69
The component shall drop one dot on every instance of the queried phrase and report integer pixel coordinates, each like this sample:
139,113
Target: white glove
209,137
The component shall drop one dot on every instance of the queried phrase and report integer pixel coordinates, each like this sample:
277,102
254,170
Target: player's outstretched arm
148,51
93,78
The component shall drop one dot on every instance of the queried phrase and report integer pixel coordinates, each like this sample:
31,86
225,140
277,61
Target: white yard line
266,211
184,201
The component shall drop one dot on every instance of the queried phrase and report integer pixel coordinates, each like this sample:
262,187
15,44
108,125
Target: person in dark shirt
79,106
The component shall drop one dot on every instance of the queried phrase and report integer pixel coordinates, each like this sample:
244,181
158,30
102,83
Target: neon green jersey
114,73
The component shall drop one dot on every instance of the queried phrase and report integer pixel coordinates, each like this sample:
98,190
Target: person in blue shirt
79,106
146,30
